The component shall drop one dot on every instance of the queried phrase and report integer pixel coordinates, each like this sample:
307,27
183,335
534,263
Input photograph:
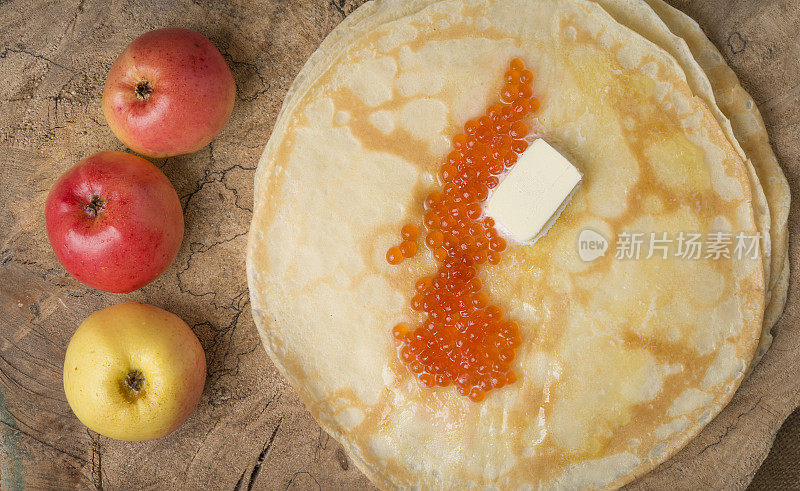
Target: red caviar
394,255
465,340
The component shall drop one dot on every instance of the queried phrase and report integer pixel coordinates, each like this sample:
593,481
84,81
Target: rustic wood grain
250,430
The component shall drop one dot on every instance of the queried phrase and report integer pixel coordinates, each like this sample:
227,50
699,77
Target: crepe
622,362
748,126
640,17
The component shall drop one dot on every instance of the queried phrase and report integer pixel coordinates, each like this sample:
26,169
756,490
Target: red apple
169,93
114,221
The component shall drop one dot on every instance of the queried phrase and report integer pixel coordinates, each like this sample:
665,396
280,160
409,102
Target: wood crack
37,56
97,460
46,444
261,458
731,426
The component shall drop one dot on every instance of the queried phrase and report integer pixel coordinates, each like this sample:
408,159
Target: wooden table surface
250,429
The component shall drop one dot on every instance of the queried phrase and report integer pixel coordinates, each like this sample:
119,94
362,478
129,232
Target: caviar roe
407,248
465,340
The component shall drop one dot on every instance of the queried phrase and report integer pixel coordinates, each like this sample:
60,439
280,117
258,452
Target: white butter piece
533,193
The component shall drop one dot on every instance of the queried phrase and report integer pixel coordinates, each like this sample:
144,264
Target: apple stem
134,380
143,90
94,207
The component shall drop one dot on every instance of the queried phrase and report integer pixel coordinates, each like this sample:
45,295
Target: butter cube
533,193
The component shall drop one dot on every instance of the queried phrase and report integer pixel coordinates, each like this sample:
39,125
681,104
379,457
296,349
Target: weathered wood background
250,430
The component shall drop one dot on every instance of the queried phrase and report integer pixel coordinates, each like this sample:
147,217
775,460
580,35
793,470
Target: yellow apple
134,372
